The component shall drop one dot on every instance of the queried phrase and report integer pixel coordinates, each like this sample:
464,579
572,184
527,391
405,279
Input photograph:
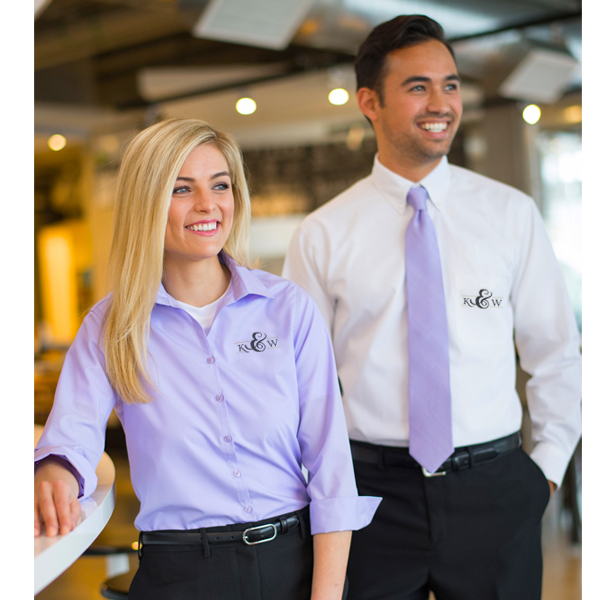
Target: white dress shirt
349,255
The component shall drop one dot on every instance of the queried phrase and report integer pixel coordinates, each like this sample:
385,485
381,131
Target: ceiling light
573,114
531,114
338,96
56,142
246,106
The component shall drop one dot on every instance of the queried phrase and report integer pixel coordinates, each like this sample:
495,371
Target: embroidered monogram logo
484,300
260,343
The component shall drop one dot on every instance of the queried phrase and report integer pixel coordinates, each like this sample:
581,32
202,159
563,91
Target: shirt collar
394,188
243,283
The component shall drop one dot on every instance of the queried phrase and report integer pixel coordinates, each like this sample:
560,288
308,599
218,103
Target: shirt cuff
551,460
78,466
342,514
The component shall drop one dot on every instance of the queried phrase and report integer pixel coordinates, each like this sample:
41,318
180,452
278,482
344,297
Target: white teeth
203,226
436,127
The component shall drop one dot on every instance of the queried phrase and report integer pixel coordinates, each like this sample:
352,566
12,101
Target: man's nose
437,102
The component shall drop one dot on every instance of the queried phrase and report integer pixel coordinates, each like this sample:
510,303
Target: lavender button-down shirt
235,415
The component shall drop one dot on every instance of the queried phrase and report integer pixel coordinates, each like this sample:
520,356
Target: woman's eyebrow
214,176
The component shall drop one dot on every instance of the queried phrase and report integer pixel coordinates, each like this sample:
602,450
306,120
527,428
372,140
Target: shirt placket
227,436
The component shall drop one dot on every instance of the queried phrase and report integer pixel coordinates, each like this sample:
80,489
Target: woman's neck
196,282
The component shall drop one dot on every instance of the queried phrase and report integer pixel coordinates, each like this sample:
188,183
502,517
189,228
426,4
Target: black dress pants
276,570
472,534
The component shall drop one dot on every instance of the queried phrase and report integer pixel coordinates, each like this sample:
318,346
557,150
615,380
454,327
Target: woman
224,381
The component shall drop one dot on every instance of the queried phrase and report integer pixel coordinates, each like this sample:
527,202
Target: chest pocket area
483,314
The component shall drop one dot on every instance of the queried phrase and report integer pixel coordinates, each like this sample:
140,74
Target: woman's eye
221,186
180,189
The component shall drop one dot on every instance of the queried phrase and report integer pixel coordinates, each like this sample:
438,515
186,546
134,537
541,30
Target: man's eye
418,88
452,86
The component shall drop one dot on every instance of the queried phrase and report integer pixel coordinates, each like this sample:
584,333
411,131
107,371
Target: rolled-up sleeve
84,399
326,455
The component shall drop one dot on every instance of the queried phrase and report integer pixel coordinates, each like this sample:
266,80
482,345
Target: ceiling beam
112,30
545,20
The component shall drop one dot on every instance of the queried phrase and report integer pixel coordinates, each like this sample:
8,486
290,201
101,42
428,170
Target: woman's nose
204,202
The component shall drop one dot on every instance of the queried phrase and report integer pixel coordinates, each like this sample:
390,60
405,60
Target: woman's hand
55,498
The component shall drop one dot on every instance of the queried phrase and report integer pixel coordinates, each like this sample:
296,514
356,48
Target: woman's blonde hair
146,179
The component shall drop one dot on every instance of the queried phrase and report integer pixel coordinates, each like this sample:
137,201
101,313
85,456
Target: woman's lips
204,228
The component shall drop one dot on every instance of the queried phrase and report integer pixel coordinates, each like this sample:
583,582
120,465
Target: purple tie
430,435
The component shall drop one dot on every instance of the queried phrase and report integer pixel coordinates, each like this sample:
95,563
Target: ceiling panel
123,56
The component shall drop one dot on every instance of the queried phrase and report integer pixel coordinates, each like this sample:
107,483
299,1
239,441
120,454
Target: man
430,276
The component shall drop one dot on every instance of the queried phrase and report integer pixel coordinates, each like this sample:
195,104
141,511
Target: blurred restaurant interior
105,69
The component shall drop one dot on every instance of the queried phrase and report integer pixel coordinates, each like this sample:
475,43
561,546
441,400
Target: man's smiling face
417,113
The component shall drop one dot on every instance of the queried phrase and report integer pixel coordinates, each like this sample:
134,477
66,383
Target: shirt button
227,438
248,509
220,397
210,359
237,473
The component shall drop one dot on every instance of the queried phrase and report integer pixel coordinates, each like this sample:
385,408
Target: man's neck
410,170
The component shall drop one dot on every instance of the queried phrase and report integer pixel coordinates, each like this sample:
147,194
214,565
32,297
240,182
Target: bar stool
117,587
118,566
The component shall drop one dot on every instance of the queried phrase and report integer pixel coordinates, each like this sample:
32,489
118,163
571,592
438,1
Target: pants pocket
539,479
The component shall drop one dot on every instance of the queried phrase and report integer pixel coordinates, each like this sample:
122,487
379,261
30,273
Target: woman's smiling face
201,210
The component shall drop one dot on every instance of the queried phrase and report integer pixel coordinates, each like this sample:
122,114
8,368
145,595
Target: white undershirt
204,315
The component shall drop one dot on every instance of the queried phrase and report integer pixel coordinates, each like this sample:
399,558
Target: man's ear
368,102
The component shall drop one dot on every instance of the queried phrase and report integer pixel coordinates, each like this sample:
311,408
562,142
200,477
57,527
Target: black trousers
276,570
473,534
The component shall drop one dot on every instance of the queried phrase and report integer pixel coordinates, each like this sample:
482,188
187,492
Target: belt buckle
427,473
269,539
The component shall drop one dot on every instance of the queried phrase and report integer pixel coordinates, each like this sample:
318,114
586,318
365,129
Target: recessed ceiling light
338,96
56,142
245,106
531,114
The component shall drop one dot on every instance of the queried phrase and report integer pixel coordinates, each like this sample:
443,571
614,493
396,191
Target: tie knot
417,197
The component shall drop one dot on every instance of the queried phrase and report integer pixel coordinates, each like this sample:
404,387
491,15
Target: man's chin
436,149
428,155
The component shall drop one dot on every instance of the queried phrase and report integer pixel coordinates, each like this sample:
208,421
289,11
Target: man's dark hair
403,31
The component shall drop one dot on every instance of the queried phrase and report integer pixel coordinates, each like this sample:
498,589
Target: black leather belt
464,457
257,533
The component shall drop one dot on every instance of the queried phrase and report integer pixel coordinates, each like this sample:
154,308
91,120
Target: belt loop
471,458
284,525
302,524
140,547
381,459
206,544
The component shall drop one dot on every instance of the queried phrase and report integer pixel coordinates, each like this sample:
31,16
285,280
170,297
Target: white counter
52,556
